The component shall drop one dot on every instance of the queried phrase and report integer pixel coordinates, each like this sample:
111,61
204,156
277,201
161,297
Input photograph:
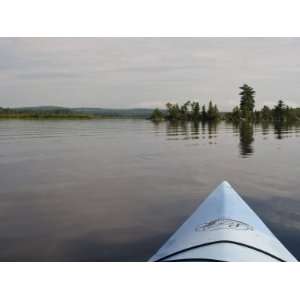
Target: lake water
115,190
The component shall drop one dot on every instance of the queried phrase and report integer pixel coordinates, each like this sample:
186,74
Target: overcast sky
147,72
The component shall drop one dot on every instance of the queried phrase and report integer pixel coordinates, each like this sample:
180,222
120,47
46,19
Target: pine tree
203,113
210,111
195,111
247,102
236,114
279,111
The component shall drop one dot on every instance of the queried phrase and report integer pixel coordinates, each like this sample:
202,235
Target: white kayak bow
223,228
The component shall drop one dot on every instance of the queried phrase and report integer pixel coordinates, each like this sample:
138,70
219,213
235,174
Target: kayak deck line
217,242
223,228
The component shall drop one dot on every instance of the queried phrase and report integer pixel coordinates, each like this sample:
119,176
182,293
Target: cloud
47,75
132,72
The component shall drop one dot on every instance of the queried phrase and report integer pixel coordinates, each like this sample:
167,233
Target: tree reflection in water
246,139
177,130
245,131
195,130
212,129
265,128
282,129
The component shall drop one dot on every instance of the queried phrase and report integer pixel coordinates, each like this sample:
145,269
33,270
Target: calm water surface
115,190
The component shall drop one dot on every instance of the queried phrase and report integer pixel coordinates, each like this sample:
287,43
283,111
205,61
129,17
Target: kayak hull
223,228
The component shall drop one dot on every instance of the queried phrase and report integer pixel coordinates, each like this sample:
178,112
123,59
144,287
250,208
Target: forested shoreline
46,112
8,113
245,111
189,111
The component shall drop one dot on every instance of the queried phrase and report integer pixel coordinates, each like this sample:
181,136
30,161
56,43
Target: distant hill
41,108
95,111
129,112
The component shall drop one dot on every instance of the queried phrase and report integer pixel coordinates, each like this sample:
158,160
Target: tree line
245,111
56,112
10,113
189,111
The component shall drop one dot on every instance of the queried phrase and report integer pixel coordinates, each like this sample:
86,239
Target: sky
147,72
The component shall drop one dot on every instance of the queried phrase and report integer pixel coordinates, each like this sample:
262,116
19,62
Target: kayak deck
223,228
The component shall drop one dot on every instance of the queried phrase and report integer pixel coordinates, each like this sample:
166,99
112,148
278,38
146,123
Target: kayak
223,228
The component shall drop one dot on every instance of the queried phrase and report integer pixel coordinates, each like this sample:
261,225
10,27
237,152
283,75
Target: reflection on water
245,130
195,127
212,130
246,139
265,128
285,130
190,130
114,190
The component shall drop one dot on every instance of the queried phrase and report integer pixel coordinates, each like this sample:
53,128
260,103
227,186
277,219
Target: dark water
114,190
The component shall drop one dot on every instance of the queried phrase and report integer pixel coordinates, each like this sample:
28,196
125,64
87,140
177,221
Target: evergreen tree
266,113
203,113
279,111
236,114
291,114
210,111
216,112
195,111
247,102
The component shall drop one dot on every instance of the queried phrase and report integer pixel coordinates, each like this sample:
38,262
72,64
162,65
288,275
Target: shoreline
57,118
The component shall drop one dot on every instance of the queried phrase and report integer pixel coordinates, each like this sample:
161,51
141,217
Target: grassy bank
60,113
44,117
67,117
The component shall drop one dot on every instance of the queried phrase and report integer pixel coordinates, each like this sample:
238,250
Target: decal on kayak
223,224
